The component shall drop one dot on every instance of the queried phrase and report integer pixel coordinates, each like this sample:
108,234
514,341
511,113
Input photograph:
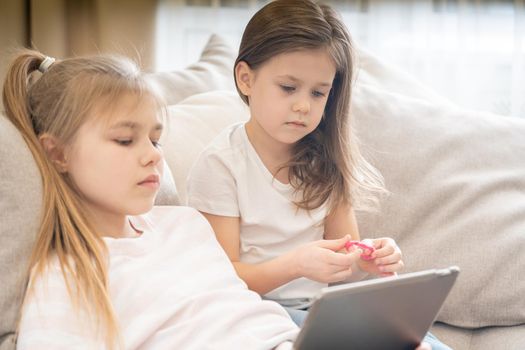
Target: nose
151,155
302,105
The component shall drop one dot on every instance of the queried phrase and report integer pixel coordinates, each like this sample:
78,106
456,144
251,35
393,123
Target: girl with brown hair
280,190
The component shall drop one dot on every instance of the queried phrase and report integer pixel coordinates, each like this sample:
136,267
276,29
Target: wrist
292,261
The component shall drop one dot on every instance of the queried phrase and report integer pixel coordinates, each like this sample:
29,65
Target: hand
386,259
321,262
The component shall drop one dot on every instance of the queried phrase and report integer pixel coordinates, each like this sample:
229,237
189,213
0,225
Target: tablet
385,313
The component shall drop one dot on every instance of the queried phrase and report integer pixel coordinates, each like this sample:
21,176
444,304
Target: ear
244,77
55,151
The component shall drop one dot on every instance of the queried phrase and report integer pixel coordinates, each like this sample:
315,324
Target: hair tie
46,63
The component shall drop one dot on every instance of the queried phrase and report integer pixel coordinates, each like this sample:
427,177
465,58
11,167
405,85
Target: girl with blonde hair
108,269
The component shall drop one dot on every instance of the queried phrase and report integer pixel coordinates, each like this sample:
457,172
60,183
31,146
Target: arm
318,260
341,222
49,319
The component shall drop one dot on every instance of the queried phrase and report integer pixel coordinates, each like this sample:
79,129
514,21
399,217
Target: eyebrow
291,77
133,125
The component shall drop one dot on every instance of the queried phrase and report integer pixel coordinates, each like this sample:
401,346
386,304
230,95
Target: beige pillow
20,199
380,74
457,179
213,71
192,124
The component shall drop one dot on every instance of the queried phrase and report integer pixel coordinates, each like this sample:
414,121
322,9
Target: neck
109,224
272,153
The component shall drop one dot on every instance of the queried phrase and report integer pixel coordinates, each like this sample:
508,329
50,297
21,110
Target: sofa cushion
213,71
487,338
380,74
192,124
20,199
457,182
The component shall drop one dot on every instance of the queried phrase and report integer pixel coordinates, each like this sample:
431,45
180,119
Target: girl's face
115,160
288,93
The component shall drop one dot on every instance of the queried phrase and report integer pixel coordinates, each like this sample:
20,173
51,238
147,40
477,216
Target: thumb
334,244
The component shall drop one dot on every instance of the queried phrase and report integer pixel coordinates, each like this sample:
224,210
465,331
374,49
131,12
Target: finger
388,247
386,267
389,259
340,276
377,243
382,242
382,252
334,244
345,260
391,267
387,274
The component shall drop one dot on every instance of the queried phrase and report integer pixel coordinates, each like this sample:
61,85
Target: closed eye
287,88
156,143
124,142
318,94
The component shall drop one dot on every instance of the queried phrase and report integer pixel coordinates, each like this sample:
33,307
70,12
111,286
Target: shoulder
228,143
50,283
48,302
172,219
166,215
222,157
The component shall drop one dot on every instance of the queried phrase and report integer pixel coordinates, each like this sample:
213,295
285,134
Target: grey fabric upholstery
20,200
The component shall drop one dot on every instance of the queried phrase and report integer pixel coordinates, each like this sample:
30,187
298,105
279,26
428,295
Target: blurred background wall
62,28
470,51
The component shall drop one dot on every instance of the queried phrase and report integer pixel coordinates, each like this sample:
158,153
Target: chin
293,141
141,208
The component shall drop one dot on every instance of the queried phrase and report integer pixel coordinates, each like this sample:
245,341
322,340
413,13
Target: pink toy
367,249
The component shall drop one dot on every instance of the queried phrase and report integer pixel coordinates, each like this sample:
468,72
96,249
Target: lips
152,179
296,123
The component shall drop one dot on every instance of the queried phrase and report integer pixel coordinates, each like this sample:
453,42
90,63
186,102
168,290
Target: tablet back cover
387,313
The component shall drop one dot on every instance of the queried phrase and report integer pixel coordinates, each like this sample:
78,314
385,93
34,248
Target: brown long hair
326,164
58,102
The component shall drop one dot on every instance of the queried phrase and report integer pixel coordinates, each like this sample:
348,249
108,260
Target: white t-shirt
172,288
229,179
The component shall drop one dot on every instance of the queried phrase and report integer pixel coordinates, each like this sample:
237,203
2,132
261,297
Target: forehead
130,108
311,64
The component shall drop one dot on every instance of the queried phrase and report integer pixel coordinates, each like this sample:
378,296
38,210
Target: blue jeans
298,316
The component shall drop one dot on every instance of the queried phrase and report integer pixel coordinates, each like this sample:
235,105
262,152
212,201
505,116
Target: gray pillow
457,182
20,201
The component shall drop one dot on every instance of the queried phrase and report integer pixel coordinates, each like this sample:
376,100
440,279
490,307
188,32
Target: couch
456,179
